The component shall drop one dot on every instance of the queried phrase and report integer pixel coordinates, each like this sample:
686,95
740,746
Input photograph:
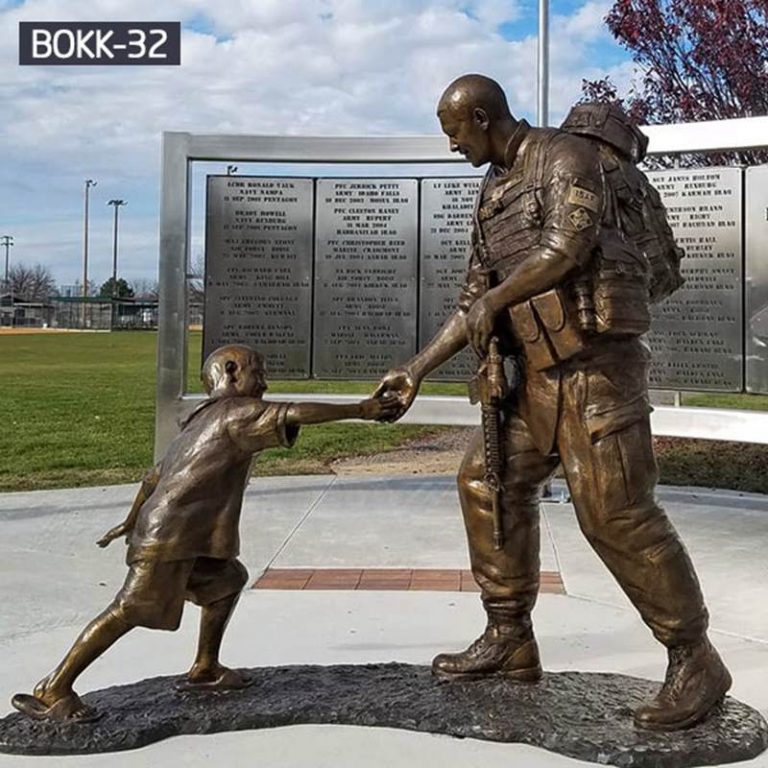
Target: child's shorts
154,592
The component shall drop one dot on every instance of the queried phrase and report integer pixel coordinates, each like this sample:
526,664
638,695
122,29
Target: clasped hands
402,384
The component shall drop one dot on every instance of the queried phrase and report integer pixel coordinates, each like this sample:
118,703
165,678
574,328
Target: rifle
489,387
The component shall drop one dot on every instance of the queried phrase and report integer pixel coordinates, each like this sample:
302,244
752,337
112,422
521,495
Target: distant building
26,314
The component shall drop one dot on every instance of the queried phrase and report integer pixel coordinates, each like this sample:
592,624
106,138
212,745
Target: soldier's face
466,135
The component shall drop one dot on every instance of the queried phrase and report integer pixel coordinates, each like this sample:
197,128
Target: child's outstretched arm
319,413
148,485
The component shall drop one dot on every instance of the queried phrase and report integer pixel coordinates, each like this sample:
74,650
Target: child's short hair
224,366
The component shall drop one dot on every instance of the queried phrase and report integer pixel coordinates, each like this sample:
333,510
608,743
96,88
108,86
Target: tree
118,290
145,289
703,60
31,283
196,284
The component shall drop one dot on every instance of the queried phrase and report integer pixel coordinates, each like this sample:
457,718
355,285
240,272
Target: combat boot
501,650
696,682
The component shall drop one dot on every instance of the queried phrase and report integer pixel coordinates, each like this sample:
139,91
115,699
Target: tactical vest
509,215
608,299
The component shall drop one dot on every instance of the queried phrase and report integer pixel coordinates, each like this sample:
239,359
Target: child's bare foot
51,703
214,678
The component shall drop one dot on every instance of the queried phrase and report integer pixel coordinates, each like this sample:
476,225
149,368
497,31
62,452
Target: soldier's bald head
470,92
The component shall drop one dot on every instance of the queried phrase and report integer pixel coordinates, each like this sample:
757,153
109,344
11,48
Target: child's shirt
194,510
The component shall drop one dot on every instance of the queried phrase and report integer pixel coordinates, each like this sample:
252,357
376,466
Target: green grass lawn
728,401
78,409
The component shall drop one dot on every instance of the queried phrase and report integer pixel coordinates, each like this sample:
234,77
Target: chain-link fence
103,314
92,313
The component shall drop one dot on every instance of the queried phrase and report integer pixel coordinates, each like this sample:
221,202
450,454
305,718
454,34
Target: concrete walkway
53,579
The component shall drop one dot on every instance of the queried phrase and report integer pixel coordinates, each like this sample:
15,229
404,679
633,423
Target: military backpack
638,212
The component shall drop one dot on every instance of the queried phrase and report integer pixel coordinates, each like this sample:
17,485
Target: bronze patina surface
556,276
582,715
182,530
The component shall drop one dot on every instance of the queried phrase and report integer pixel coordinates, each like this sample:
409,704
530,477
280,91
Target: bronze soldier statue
182,530
554,277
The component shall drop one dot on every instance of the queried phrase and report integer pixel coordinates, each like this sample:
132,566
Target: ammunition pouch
658,244
548,329
620,291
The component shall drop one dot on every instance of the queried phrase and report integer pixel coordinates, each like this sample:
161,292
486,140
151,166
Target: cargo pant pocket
625,467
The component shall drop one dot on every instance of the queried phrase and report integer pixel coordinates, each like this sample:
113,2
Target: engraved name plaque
697,333
446,226
757,279
258,269
365,276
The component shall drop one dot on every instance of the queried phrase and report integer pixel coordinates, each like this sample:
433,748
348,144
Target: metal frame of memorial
180,150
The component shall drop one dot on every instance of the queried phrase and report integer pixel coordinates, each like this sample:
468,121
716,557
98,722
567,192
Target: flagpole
542,112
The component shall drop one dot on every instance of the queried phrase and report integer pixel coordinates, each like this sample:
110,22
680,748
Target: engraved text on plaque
258,269
446,226
696,335
365,276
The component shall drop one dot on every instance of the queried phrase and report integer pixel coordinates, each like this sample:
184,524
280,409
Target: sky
257,67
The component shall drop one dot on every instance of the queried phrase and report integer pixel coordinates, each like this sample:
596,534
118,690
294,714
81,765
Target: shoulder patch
583,197
580,219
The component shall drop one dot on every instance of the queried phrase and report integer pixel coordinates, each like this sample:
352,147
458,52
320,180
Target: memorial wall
345,278
697,335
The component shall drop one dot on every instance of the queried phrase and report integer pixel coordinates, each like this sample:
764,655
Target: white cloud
586,24
341,67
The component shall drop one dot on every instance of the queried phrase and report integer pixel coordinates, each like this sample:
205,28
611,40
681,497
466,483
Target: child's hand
112,534
380,408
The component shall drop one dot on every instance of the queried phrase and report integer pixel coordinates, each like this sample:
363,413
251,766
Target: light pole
7,241
116,204
542,112
88,184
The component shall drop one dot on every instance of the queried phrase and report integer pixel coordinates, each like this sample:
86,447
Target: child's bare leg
97,637
207,672
55,690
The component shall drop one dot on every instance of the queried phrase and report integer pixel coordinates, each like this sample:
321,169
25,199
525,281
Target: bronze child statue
182,530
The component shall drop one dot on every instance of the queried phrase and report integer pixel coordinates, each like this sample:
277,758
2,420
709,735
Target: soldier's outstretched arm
402,383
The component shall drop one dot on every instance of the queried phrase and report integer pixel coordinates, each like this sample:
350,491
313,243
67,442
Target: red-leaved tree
699,60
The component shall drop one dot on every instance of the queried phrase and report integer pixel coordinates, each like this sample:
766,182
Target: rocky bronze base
586,716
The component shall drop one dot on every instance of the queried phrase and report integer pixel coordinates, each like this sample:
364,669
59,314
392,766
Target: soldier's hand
112,534
399,386
480,323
